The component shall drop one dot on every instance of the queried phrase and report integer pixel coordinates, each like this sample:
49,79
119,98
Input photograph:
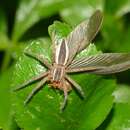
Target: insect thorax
57,72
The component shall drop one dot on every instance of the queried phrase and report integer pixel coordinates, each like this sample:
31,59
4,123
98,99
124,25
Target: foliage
107,102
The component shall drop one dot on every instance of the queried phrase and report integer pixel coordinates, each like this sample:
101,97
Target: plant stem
6,60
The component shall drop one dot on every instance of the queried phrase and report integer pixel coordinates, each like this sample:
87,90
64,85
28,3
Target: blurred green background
25,20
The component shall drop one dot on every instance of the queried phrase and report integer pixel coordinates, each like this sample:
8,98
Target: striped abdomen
58,73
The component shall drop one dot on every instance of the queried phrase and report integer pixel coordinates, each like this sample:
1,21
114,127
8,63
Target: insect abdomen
58,74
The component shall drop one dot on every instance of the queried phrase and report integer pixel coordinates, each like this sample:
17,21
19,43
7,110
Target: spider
64,62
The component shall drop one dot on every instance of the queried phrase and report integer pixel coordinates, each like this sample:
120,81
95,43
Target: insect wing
102,64
62,53
83,34
92,29
54,45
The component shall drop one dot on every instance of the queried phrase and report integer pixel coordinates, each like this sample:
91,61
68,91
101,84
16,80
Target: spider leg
31,81
35,90
65,100
39,58
75,85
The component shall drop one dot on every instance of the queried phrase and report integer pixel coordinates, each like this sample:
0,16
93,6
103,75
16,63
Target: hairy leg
65,99
35,90
39,58
38,77
75,85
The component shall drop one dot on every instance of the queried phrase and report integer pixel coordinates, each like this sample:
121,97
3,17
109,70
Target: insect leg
35,90
39,58
65,100
31,81
75,85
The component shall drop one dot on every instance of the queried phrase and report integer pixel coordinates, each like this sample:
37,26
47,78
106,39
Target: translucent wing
55,43
61,54
102,64
83,34
60,50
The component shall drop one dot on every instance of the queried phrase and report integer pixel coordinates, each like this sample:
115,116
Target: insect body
61,58
64,62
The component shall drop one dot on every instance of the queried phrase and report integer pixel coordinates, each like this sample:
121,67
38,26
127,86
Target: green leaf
113,35
6,119
81,10
43,112
31,11
122,94
4,94
124,9
59,29
120,115
117,8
